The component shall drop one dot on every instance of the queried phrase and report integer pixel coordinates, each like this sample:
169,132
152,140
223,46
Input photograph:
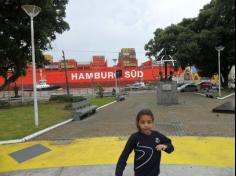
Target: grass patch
102,101
18,122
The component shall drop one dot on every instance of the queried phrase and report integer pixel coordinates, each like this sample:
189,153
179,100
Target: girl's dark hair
141,113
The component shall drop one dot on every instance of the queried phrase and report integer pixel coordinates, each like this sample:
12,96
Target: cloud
109,25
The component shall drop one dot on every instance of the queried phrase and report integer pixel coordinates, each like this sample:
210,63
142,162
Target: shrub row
4,104
65,98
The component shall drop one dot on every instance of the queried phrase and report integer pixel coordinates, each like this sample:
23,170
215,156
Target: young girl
147,145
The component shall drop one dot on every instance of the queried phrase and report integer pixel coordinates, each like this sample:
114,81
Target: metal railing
26,96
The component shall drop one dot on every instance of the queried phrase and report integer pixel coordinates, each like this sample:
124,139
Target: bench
120,97
83,109
209,95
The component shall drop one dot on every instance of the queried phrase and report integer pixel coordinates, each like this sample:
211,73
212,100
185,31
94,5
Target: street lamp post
65,67
115,60
219,49
33,11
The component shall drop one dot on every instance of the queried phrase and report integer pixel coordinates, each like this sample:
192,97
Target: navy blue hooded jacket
147,158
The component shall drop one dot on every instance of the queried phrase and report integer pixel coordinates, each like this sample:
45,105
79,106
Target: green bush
78,98
68,106
65,98
4,104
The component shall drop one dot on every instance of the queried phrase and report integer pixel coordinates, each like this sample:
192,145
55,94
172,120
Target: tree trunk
225,74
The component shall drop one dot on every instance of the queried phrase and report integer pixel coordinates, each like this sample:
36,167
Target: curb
219,98
222,98
26,138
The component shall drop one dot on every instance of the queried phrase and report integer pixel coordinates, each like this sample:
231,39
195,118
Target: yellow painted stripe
200,151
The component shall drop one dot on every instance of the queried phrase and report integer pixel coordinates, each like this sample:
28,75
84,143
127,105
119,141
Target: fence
25,96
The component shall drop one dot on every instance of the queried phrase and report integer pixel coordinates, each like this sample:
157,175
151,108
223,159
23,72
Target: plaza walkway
204,141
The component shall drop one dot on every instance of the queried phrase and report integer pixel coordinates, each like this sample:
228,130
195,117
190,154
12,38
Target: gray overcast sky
106,26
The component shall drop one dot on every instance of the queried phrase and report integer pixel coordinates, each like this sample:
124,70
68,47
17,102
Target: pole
166,71
219,49
116,81
67,83
119,87
22,90
219,73
33,11
34,74
114,60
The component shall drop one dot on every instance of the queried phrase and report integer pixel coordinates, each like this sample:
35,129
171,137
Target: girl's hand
161,147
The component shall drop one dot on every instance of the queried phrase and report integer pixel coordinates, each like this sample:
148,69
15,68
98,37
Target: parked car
205,85
138,86
187,88
180,84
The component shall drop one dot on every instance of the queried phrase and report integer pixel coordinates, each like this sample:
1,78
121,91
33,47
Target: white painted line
106,105
11,141
35,134
200,94
222,98
219,98
45,130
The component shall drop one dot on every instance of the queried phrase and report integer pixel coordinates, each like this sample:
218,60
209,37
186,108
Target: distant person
16,90
113,91
147,145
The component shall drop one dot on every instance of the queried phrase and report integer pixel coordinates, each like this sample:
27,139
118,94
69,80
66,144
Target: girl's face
146,124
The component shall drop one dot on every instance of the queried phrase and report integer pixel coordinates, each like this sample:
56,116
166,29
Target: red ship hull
89,78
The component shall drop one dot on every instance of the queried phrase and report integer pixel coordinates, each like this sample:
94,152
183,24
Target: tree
178,41
100,90
187,48
193,41
15,46
216,23
152,47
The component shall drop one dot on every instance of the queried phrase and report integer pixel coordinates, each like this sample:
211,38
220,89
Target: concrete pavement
191,117
204,141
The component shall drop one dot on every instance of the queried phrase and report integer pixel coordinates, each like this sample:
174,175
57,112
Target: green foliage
161,76
65,98
99,90
4,104
193,41
15,34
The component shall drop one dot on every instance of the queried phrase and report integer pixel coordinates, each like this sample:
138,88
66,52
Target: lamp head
31,10
220,48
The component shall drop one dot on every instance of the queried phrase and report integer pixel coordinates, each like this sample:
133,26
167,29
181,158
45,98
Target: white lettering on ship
74,76
132,74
